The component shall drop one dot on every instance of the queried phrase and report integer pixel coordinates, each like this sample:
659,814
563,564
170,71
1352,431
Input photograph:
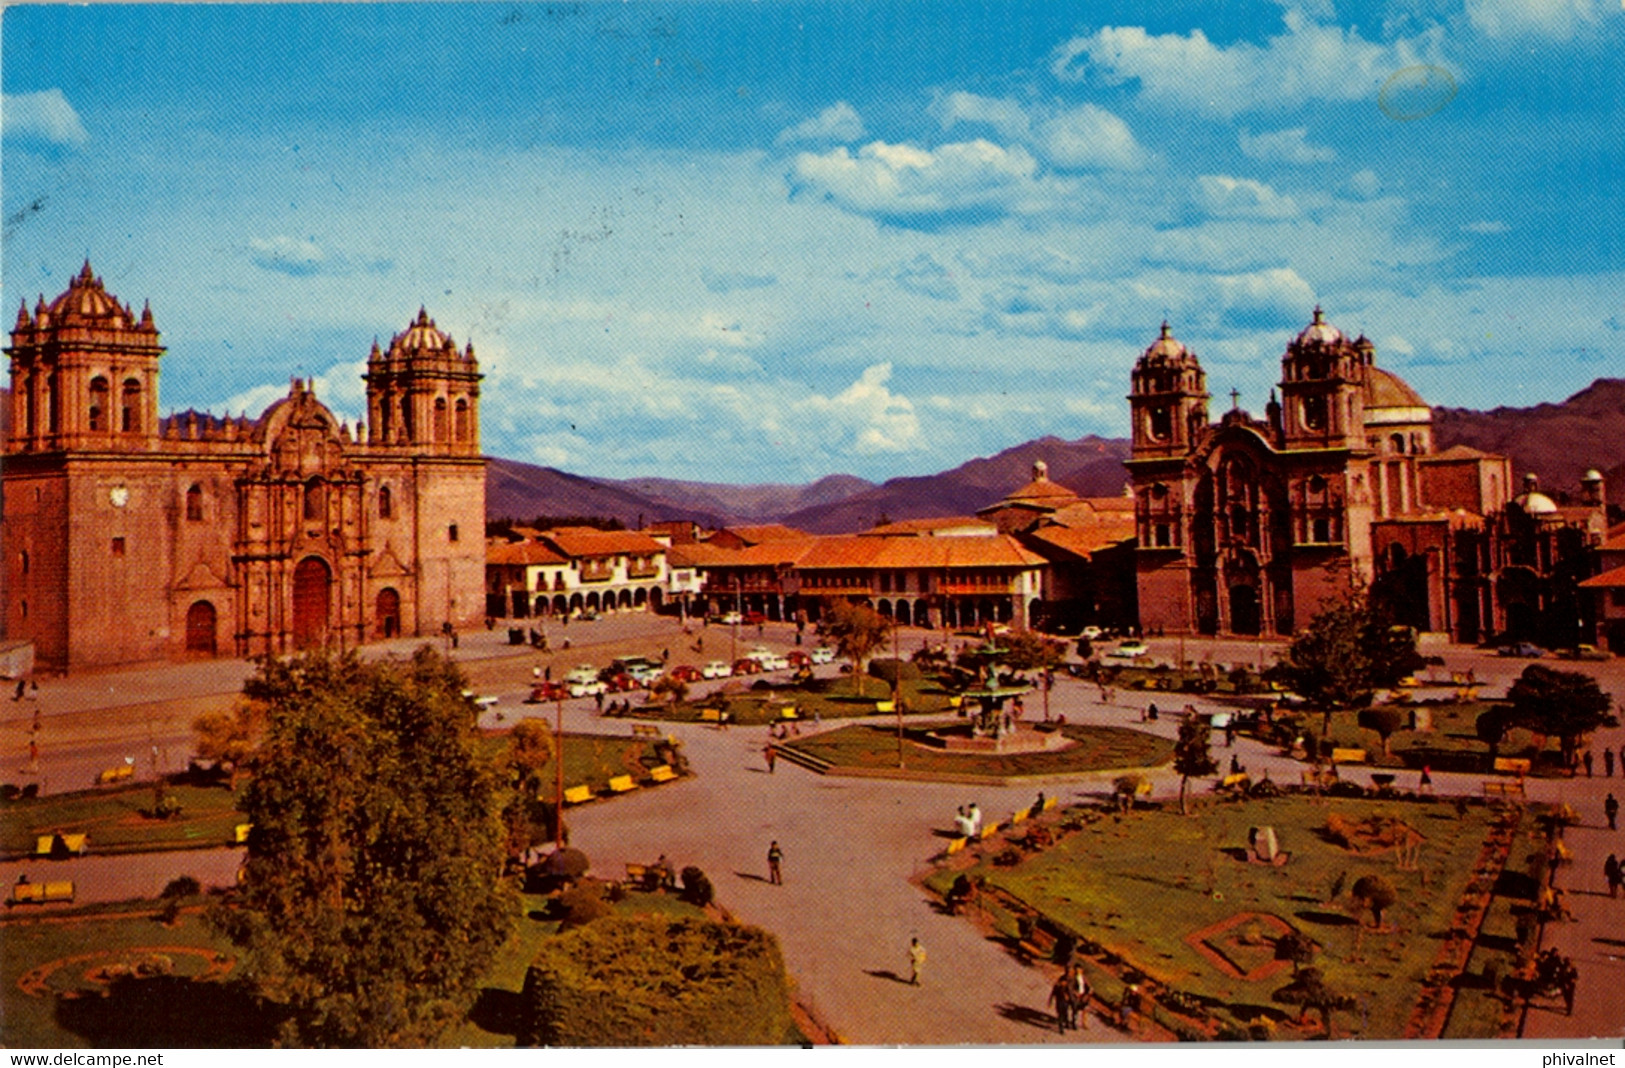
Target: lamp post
558,788
897,690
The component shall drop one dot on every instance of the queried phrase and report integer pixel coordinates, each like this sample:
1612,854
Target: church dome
1531,500
422,337
1320,332
1384,389
1166,349
86,299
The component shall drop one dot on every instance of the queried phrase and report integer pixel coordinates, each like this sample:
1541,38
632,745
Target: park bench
1512,765
239,833
578,795
787,714
1020,816
1348,756
1049,803
662,773
1503,788
956,845
40,893
645,730
710,715
989,831
621,784
1037,944
74,842
956,701
1238,781
117,773
885,706
637,875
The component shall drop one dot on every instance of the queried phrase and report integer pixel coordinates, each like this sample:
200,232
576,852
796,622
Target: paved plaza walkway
847,909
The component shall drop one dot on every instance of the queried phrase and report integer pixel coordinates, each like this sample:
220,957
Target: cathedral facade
129,537
1249,526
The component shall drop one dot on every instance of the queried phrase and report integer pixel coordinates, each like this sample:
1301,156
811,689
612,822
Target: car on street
587,689
581,673
548,691
753,619
822,654
686,673
728,619
796,658
1585,652
747,666
1523,649
716,669
1130,649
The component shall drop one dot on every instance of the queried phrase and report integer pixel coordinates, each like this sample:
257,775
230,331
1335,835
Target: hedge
648,981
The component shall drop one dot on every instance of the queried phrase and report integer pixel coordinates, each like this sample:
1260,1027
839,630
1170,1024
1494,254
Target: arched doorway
656,601
1244,614
389,612
200,628
312,599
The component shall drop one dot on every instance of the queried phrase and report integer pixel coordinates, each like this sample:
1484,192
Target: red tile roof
1083,541
860,551
521,553
930,526
1608,580
584,542
765,532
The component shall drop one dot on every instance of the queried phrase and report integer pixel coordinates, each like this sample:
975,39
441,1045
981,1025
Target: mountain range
1558,442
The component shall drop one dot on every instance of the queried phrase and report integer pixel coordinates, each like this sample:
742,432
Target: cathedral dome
422,337
1320,332
1384,389
1531,500
86,298
1166,348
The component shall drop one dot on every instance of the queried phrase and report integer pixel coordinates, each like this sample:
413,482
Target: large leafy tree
1192,755
1567,704
1347,651
373,895
1029,651
229,737
857,630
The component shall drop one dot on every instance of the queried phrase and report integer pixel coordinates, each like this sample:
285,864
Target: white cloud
1308,61
1090,137
876,419
45,117
902,181
1556,20
340,388
287,255
838,122
1365,182
1228,197
1006,116
1285,146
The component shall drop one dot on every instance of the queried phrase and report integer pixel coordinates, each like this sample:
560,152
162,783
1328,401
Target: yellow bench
956,845
956,701
787,714
239,834
39,893
990,830
663,773
578,795
1240,778
710,715
885,706
1049,803
1503,788
1020,816
1143,789
621,784
1512,765
75,843
117,773
645,730
1348,756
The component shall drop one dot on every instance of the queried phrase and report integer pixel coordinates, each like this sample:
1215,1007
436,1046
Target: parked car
822,654
686,673
581,673
587,689
754,619
644,674
1130,649
747,666
1092,632
587,616
716,669
728,619
548,691
774,662
1586,652
1524,649
797,659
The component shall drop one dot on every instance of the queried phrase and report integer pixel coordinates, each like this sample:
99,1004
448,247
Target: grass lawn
112,818
837,698
589,759
1143,886
862,746
1452,744
61,956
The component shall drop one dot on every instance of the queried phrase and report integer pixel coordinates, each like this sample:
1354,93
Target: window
1618,597
23,559
1161,423
1314,413
194,503
130,407
1323,530
461,424
451,532
440,419
24,606
1396,443
118,546
386,503
314,503
98,403
885,582
1162,536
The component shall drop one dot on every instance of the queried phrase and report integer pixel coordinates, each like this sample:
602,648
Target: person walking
1608,763
771,755
1060,995
916,960
1610,871
1587,759
1080,997
775,857
1610,808
1425,786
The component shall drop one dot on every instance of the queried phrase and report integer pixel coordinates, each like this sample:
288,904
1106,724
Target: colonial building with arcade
129,537
1249,526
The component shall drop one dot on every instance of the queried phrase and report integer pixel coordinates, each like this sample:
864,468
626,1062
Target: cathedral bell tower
84,373
1322,388
423,393
1167,399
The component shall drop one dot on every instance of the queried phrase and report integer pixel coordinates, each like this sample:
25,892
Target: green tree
1385,720
1191,755
229,737
1029,651
1491,727
1308,990
527,818
1567,704
1375,893
1347,651
373,896
674,690
857,630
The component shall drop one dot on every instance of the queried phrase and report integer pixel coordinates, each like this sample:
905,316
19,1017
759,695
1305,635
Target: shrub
697,888
646,981
582,904
893,672
181,886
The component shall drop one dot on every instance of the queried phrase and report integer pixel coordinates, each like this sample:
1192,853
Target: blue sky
768,242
